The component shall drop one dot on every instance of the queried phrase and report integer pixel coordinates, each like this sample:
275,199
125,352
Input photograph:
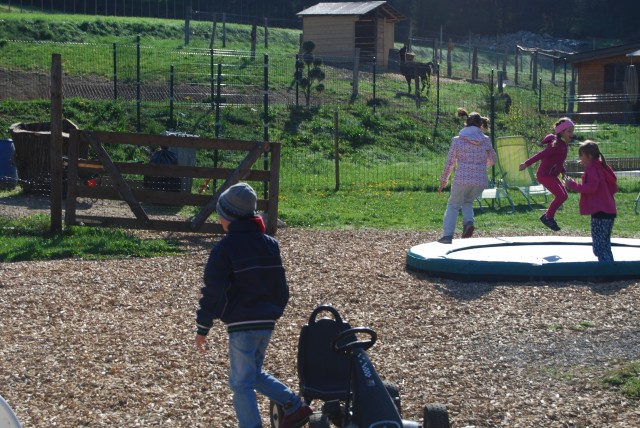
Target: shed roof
627,49
353,8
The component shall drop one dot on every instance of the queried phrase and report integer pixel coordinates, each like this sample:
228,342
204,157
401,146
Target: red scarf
258,220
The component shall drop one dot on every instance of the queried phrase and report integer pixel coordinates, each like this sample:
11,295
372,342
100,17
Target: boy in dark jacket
245,288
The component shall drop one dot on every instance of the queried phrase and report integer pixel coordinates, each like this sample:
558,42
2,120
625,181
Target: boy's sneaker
550,223
446,239
297,418
467,230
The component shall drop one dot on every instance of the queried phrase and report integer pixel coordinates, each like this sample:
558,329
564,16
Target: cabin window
614,78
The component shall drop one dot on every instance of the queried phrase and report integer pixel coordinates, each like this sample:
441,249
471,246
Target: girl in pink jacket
471,153
551,165
598,185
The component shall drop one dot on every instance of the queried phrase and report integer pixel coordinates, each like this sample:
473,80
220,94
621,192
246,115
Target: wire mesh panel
236,94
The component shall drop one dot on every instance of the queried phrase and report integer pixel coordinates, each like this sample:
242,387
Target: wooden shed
606,83
337,29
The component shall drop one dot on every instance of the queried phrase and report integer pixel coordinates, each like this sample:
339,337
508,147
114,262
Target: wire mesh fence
233,94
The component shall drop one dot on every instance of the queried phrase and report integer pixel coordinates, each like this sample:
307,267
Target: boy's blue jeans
246,355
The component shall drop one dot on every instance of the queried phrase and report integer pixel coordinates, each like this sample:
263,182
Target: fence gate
106,179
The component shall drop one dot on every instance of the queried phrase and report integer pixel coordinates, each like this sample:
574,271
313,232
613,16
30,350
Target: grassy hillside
389,155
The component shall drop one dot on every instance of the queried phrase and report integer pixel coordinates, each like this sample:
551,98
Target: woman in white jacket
471,153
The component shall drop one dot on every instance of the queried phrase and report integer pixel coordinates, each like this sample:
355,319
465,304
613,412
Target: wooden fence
120,181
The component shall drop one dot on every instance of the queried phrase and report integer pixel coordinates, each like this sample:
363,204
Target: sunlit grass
29,239
626,379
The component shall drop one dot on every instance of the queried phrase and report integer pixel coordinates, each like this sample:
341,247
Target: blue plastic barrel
8,171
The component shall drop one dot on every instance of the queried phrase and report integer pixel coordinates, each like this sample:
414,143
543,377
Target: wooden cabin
605,84
337,29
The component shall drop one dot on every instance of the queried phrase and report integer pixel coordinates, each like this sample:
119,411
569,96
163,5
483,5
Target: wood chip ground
110,343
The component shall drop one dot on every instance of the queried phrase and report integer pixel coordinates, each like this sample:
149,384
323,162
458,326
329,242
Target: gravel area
109,343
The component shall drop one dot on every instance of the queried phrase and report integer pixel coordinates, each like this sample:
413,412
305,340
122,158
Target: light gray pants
461,198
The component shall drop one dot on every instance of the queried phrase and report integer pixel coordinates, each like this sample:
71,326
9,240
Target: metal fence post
336,148
171,122
492,121
564,89
540,96
211,78
138,96
217,124
296,76
218,99
265,121
375,64
115,74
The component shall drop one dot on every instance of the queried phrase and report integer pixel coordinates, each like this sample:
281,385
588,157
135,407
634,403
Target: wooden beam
72,178
121,184
167,225
274,191
239,173
172,141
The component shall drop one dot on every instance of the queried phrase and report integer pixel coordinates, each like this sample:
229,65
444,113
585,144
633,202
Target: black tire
394,393
436,416
276,412
319,420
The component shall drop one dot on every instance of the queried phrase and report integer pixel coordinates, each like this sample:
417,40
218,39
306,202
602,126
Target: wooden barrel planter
32,153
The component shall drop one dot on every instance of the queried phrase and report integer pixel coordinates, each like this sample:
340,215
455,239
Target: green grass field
390,157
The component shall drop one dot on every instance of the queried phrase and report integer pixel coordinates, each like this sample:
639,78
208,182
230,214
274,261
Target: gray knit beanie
237,202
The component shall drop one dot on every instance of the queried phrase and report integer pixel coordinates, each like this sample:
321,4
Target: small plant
626,379
309,75
582,326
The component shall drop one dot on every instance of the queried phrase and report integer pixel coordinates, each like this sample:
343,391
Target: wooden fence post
56,144
534,71
504,63
356,73
449,58
516,61
266,33
474,65
187,23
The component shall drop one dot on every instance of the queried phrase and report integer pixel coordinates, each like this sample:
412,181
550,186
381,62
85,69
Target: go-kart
334,368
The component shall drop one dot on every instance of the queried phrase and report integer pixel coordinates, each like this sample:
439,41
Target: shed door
366,37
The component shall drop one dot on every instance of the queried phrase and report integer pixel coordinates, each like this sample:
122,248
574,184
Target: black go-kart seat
323,373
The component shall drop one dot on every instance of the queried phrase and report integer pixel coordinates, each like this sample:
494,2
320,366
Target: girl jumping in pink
551,166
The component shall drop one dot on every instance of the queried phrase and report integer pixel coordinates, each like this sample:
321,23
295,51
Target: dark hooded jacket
245,284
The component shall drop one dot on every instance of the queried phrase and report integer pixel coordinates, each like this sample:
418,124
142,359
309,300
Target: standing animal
419,71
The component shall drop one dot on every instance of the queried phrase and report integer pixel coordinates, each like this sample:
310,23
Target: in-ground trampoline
525,258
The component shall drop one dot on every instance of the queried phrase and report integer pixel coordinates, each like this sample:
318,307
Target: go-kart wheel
394,393
276,412
436,416
319,420
354,342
